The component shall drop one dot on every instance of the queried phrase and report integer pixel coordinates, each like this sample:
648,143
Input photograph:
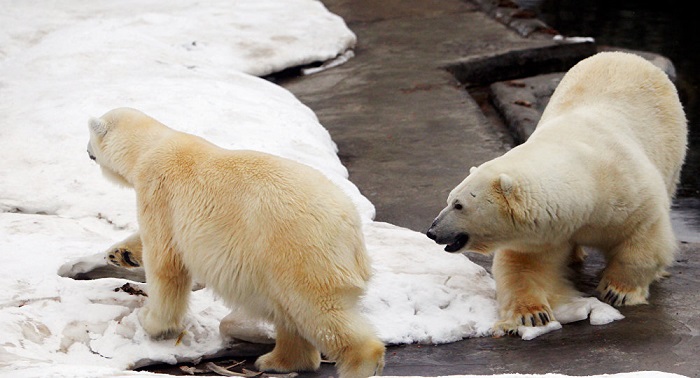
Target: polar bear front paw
533,315
615,294
124,258
155,326
503,328
530,316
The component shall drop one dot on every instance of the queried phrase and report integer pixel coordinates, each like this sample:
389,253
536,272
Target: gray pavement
409,121
409,118
406,128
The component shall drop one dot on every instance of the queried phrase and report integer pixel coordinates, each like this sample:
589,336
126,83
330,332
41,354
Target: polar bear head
483,213
118,139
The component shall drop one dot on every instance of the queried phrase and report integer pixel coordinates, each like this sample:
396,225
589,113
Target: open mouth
460,241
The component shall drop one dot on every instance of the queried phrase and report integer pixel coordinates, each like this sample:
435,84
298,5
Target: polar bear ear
512,199
98,126
506,183
471,170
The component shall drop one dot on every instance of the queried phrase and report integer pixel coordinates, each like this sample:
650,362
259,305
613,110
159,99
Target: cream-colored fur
600,171
263,232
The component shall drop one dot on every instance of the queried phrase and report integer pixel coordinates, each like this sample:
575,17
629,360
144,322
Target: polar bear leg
635,263
128,254
345,336
169,285
529,285
364,354
239,324
292,352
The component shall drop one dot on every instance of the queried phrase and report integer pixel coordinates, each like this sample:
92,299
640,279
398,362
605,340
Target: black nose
91,156
431,235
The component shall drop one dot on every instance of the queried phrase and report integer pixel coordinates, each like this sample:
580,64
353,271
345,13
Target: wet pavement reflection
685,217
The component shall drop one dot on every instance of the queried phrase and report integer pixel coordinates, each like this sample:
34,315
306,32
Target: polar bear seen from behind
600,170
266,233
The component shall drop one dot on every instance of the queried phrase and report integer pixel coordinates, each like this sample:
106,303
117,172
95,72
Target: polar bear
266,233
600,170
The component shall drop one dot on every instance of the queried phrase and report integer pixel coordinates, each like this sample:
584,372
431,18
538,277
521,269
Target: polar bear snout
90,154
431,231
453,241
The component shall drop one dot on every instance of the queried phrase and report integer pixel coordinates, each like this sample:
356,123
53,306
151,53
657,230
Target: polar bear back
630,88
261,221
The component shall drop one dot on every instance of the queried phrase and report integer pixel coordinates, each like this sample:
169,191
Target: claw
129,260
609,294
544,318
613,299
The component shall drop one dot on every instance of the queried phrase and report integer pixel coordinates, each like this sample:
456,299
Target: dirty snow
193,66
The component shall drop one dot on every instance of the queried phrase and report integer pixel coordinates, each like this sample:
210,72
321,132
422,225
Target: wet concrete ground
408,131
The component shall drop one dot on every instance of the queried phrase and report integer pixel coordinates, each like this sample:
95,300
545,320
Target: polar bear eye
457,206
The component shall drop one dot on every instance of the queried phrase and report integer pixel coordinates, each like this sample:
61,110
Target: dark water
669,28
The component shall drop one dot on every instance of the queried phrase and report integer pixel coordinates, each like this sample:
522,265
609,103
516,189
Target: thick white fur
263,232
600,170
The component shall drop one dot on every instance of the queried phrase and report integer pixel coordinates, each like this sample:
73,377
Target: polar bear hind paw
617,295
281,363
365,359
123,257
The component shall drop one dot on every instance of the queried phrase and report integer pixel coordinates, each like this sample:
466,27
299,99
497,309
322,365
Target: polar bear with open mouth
600,170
